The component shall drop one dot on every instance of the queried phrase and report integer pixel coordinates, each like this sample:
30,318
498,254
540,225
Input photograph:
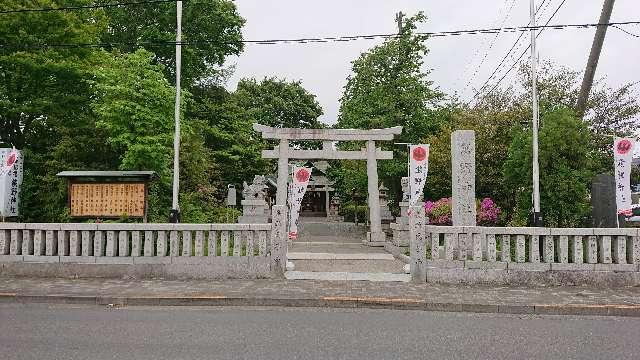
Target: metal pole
175,207
594,55
537,219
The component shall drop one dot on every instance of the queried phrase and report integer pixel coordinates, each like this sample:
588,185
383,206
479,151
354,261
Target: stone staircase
334,251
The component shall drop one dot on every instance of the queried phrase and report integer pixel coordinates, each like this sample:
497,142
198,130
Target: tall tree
212,27
228,118
565,170
389,87
44,102
133,102
278,103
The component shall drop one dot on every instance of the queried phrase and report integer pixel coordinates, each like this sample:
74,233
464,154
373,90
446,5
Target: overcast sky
323,68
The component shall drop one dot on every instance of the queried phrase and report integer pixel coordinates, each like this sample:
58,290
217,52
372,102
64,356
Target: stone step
349,265
346,238
335,256
332,229
345,276
337,248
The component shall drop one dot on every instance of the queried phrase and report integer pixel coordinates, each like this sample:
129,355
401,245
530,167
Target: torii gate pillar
372,154
375,234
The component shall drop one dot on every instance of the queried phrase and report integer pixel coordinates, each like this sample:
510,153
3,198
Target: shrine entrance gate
284,152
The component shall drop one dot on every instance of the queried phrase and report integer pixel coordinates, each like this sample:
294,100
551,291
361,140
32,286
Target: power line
469,65
486,53
625,31
84,7
504,58
528,47
329,39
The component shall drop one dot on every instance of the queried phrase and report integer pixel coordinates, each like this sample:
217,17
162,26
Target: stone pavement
304,293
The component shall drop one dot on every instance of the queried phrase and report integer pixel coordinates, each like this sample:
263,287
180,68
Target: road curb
629,310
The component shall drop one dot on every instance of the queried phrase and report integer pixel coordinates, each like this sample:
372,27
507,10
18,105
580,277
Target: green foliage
349,212
389,88
565,170
278,103
228,119
492,135
133,104
214,25
44,100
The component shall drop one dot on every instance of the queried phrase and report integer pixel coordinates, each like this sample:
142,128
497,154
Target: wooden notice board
107,199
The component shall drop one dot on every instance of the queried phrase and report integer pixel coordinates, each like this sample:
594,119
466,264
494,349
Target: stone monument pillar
255,209
463,178
603,201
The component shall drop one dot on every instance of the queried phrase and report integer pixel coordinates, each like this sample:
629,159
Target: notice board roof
145,175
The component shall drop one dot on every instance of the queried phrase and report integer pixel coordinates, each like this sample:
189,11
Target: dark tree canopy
213,27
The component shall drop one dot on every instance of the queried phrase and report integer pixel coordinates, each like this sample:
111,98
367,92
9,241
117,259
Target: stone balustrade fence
475,254
163,250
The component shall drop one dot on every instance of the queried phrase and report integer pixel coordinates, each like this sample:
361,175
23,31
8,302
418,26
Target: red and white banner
297,188
418,168
10,181
622,155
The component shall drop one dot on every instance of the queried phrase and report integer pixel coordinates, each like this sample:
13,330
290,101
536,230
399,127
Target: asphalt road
39,331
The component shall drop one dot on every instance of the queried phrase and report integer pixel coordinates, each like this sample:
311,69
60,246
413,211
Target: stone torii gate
370,153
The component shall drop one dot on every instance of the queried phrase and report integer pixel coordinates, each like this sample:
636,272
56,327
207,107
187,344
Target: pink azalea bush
439,212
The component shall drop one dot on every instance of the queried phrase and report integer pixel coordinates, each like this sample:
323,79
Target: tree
44,107
212,27
609,111
228,119
389,88
278,103
228,134
493,130
134,105
565,170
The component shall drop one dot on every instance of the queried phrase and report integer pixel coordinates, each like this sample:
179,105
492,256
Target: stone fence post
417,238
278,238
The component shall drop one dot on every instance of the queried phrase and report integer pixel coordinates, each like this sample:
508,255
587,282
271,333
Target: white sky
323,68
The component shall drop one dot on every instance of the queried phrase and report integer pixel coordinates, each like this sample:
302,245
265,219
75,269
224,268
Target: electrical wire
84,7
329,38
486,53
504,58
625,31
525,51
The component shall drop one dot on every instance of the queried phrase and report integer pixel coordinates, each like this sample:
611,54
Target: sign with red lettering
297,188
10,180
418,168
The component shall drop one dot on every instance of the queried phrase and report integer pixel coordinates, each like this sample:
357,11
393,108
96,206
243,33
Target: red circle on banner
624,146
303,175
11,159
419,153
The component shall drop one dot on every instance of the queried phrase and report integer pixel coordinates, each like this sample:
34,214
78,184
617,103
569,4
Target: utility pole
174,215
399,16
594,55
537,218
